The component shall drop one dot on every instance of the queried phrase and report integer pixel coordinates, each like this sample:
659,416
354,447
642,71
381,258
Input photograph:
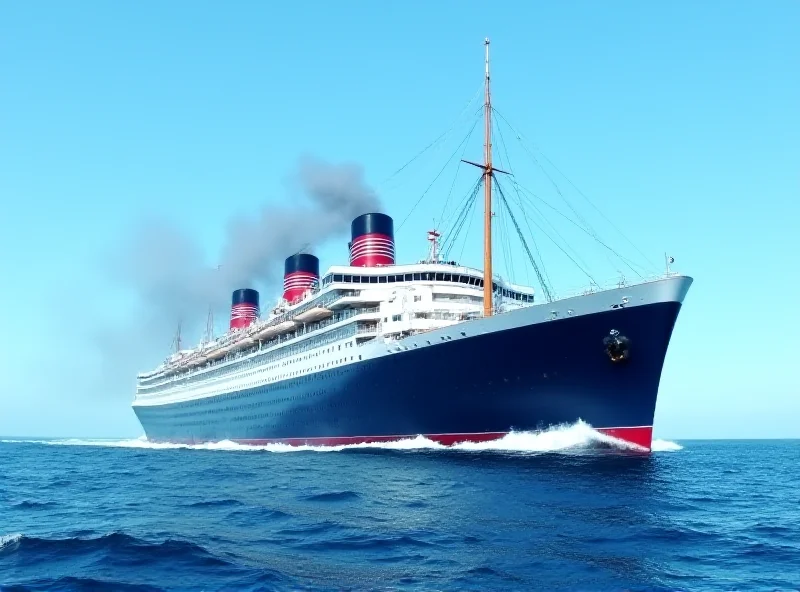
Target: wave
6,540
137,564
74,584
125,548
562,438
332,496
360,542
29,505
216,503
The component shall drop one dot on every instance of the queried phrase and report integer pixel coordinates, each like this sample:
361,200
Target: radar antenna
433,237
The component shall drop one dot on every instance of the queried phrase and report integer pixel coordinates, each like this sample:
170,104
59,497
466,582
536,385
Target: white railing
237,372
623,282
273,345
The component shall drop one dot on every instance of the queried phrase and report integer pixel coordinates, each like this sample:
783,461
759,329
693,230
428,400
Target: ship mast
488,174
210,325
487,194
177,341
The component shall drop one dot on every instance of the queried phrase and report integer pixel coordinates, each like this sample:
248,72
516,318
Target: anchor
617,346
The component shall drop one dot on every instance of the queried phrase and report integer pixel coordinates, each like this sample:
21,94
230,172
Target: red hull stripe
446,439
639,435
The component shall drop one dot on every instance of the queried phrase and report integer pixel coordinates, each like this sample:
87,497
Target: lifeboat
316,313
285,327
266,333
242,344
214,354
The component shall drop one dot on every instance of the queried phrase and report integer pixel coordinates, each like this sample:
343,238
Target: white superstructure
352,307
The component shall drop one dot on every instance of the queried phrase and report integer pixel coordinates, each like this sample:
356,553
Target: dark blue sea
557,511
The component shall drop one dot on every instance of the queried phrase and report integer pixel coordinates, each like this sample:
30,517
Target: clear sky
679,120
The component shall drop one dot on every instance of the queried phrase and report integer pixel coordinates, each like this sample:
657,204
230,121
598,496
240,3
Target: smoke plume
167,273
255,247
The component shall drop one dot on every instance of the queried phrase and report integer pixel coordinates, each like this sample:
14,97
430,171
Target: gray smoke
256,247
167,273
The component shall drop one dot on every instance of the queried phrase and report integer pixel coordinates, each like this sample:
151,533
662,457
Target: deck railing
281,340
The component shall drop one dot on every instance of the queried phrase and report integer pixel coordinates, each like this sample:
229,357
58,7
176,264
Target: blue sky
679,120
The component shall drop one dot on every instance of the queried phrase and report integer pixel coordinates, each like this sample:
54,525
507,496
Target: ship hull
519,378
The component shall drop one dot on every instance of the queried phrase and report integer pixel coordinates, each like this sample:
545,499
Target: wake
575,437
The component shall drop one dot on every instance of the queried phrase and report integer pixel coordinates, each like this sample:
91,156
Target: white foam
577,436
9,539
572,437
665,446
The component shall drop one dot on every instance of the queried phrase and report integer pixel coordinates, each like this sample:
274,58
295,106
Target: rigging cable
545,287
457,218
438,175
571,221
586,228
471,218
524,213
469,202
520,137
455,177
546,174
547,222
505,236
429,146
536,267
511,274
469,215
575,255
582,194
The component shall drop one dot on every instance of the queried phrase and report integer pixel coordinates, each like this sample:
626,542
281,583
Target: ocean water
562,510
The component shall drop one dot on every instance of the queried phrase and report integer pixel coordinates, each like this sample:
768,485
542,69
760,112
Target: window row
468,280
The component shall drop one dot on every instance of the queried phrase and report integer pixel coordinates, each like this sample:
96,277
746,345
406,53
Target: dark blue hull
525,378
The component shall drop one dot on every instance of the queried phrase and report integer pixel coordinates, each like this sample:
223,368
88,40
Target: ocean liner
378,351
